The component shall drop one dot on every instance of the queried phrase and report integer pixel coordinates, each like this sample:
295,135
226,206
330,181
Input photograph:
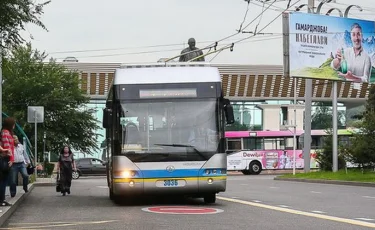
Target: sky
124,30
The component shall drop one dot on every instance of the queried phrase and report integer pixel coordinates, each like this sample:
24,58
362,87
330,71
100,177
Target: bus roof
286,133
166,74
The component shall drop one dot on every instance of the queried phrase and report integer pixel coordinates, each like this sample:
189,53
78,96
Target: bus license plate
170,183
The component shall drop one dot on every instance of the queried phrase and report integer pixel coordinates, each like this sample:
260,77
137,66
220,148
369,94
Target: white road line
320,212
365,219
370,197
315,192
284,206
235,197
300,213
257,201
102,186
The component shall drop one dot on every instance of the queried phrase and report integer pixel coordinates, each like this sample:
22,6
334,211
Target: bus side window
233,145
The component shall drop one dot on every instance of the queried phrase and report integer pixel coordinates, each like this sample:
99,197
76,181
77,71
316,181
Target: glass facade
250,118
247,116
98,106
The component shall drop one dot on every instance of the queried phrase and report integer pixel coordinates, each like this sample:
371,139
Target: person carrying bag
58,182
6,156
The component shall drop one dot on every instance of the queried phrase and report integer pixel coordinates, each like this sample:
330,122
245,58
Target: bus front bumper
184,185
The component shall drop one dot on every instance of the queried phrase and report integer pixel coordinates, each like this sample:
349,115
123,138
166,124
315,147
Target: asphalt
250,202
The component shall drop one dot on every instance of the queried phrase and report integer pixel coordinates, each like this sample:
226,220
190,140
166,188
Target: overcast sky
121,28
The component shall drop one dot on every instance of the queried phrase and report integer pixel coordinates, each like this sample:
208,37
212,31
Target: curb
8,213
44,184
337,182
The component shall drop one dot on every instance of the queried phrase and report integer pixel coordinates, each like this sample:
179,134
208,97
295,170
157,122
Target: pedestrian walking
65,167
21,162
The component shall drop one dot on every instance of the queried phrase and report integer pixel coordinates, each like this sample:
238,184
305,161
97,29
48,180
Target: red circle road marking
182,210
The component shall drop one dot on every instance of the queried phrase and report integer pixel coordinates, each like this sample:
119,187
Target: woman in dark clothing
65,167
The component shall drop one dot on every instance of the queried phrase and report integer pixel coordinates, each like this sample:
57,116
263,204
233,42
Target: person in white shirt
21,160
359,62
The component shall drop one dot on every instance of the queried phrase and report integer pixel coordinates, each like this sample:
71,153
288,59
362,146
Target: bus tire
255,167
210,198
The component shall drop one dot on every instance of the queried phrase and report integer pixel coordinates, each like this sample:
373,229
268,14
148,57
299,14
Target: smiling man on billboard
353,63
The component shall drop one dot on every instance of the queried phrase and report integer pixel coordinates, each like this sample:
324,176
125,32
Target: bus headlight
210,181
127,174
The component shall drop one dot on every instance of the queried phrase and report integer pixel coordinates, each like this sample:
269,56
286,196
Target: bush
325,158
48,168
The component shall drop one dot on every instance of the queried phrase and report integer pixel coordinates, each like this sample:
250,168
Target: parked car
90,167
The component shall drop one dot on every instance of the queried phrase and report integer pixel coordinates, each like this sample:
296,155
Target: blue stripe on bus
178,173
165,173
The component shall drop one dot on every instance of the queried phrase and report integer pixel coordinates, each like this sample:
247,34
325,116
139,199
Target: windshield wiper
181,145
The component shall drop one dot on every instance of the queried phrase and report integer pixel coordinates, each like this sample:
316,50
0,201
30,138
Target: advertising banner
328,47
271,159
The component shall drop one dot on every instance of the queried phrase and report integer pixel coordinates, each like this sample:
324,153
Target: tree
362,150
322,118
325,157
14,14
31,82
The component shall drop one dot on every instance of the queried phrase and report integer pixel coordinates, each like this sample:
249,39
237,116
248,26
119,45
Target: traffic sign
185,210
35,114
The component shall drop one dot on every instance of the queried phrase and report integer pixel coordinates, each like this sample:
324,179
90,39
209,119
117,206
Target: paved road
255,206
337,200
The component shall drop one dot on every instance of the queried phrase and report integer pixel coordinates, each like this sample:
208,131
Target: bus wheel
210,198
255,167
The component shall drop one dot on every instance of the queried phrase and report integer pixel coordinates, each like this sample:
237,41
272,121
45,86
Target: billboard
328,47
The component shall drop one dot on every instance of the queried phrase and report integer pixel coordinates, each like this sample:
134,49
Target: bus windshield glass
179,130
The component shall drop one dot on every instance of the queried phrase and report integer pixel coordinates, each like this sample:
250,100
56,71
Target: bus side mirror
107,118
228,109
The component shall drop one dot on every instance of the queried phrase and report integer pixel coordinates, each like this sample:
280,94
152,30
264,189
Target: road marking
320,212
184,210
54,224
365,219
284,206
370,197
315,192
102,186
274,187
257,201
235,197
302,213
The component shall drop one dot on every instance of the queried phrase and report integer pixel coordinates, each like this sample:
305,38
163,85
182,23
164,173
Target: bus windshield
169,130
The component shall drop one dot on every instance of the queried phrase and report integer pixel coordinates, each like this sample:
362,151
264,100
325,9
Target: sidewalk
6,212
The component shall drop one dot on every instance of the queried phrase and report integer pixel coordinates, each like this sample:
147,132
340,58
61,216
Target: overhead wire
154,51
244,18
225,38
260,19
214,45
166,45
255,34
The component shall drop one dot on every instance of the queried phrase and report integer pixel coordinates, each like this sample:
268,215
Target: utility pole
308,105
